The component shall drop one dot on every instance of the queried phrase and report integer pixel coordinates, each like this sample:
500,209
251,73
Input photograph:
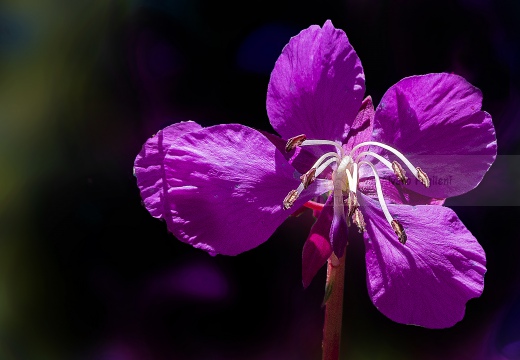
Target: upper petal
428,280
149,166
436,122
226,188
316,86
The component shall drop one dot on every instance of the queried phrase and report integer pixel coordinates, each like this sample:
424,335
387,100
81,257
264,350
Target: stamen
399,230
322,158
392,150
379,192
350,179
294,142
292,196
323,142
399,172
290,199
421,175
377,156
308,178
353,186
324,166
359,220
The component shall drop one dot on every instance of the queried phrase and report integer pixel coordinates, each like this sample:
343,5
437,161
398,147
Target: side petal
436,122
149,166
428,280
226,188
317,248
316,86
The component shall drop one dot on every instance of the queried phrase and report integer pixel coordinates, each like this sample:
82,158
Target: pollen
352,203
399,172
308,178
421,175
294,142
289,200
358,219
399,231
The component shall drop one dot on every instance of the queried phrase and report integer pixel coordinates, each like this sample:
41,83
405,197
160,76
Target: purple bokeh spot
199,281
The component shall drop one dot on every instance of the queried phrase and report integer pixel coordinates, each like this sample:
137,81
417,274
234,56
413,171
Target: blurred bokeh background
86,273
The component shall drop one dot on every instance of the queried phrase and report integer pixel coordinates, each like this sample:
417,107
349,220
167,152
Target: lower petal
427,281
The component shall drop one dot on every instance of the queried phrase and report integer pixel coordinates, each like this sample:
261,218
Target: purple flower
226,188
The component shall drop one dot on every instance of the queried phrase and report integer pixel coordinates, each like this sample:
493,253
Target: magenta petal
227,184
436,122
428,280
149,166
317,248
316,86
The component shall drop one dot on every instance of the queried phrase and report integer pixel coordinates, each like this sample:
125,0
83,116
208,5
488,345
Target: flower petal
316,86
149,166
227,184
317,248
428,280
436,122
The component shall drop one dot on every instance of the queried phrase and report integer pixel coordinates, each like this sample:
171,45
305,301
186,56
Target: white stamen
385,162
379,192
323,142
322,158
324,166
354,177
300,188
392,150
350,179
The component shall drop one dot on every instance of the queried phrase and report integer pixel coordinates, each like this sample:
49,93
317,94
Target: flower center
345,177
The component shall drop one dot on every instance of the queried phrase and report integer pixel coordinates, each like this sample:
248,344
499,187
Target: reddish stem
313,205
333,308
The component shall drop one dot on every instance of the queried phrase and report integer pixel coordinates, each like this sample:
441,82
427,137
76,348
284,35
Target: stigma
345,178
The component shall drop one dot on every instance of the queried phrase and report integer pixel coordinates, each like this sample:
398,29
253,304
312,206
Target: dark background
87,273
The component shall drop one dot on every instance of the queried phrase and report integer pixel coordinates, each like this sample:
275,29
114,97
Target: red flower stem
313,205
333,307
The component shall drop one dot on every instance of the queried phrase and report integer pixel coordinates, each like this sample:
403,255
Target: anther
308,178
290,199
294,142
399,172
421,175
358,219
352,203
399,231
